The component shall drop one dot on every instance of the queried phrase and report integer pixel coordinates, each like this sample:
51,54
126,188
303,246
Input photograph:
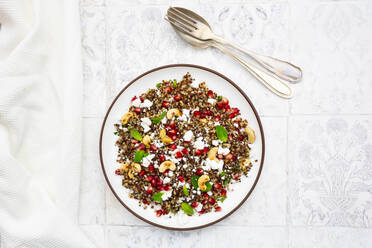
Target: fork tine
181,19
183,14
178,25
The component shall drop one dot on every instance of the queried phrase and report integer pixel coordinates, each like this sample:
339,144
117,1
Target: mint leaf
156,120
194,181
115,133
223,173
135,134
157,197
174,83
209,187
221,133
221,198
219,98
146,154
187,208
185,190
138,156
227,180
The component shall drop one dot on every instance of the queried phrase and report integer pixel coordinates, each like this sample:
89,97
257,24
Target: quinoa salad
180,147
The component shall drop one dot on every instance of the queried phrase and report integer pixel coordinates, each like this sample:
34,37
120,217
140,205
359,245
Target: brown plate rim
255,113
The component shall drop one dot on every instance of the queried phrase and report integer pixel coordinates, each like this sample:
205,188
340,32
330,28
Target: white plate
222,86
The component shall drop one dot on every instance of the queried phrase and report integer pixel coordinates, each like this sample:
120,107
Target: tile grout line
106,83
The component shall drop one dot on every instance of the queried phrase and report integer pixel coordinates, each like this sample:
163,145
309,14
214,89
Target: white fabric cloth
40,124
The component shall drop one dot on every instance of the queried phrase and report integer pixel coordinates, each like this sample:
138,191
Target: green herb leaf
185,190
209,187
135,134
221,198
194,181
157,197
227,180
223,173
221,133
187,208
156,120
219,98
138,156
115,133
174,83
158,85
146,154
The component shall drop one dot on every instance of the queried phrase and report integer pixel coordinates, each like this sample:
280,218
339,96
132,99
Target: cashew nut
173,112
136,167
201,182
164,138
167,165
126,117
146,140
131,168
203,120
213,153
245,162
251,134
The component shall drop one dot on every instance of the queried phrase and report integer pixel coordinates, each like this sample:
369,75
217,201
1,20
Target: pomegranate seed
194,204
181,179
172,125
149,178
159,187
149,191
204,202
218,209
151,167
137,110
229,156
233,158
159,182
205,196
196,114
168,89
117,172
210,93
235,110
217,118
167,127
153,148
205,150
236,176
202,211
165,104
202,115
225,101
153,182
173,147
212,201
220,105
187,142
172,132
217,186
156,178
174,137
179,155
232,115
220,156
177,97
134,98
134,141
162,158
199,172
145,201
207,112
223,192
185,151
198,152
167,187
165,173
141,99
143,172
240,137
230,137
142,147
227,108
159,213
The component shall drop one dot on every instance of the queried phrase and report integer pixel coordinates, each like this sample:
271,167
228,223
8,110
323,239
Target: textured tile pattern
316,185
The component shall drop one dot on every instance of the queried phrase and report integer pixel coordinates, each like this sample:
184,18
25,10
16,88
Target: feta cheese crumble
188,135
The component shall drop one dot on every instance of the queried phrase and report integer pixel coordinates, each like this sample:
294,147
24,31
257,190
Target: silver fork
194,25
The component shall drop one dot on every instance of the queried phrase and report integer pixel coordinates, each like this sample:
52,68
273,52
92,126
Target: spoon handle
282,69
273,83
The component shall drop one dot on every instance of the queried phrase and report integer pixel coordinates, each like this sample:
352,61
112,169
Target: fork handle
282,69
273,83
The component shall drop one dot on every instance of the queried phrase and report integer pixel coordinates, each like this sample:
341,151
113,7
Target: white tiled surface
316,185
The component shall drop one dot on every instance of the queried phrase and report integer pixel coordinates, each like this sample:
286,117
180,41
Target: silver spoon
272,82
196,26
